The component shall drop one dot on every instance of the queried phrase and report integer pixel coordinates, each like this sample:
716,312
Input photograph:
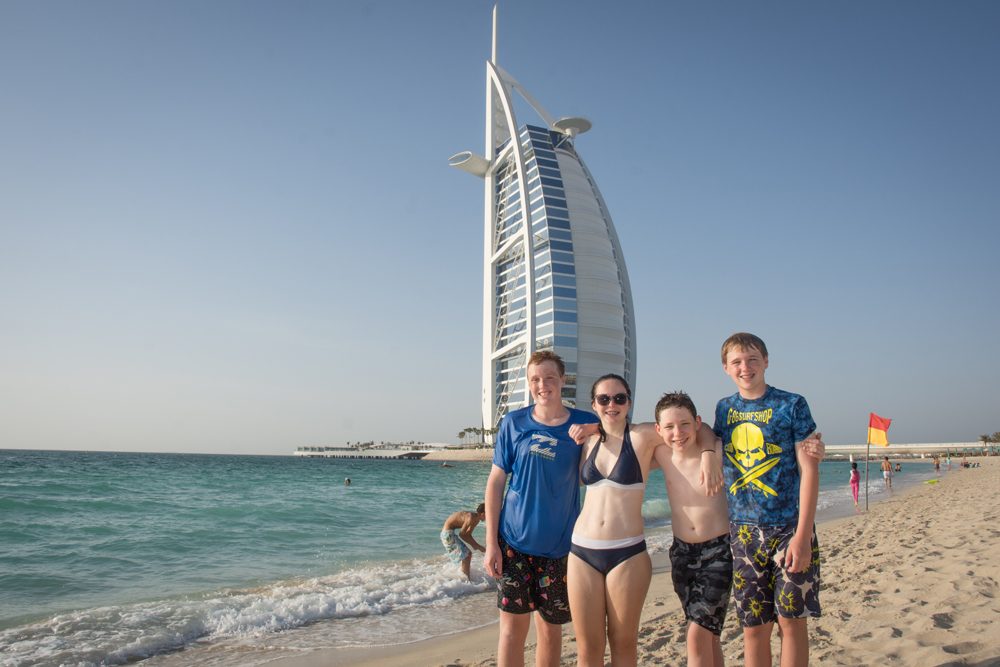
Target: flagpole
868,450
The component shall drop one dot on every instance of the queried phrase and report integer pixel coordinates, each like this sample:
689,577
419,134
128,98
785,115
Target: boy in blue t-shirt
772,489
528,527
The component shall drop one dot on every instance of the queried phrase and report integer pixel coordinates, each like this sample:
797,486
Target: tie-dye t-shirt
758,456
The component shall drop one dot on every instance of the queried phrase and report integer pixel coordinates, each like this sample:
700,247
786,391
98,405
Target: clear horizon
232,227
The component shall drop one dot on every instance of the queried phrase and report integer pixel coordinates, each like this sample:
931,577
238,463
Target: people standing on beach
528,528
937,465
457,533
855,482
887,473
609,569
700,556
772,492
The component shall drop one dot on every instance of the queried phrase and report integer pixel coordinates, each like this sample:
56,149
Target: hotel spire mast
553,272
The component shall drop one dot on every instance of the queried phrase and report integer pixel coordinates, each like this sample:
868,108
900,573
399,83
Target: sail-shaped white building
553,272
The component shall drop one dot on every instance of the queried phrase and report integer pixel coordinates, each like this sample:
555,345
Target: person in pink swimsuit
855,482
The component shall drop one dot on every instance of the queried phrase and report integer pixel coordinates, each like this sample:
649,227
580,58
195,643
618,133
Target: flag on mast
877,428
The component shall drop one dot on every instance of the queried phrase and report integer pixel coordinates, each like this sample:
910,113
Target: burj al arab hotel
554,277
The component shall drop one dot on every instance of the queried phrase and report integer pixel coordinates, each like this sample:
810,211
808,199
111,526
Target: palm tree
461,435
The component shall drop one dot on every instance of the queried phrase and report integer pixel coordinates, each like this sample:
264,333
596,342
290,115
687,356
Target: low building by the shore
393,451
912,450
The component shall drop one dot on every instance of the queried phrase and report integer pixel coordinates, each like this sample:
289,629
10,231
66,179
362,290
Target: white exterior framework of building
553,272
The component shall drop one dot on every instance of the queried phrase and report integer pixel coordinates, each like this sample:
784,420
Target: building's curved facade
554,275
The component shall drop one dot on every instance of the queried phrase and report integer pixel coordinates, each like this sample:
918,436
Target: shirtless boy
457,531
701,560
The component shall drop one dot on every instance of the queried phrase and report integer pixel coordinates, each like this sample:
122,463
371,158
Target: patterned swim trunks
454,546
533,583
703,576
764,589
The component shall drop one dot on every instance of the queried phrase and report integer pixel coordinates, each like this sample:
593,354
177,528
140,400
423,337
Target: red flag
877,427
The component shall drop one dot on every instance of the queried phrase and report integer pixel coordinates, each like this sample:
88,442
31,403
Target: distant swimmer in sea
347,481
457,531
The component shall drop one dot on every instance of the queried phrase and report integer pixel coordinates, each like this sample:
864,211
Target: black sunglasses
604,399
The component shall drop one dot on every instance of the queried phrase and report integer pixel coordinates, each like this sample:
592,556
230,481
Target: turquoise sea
175,559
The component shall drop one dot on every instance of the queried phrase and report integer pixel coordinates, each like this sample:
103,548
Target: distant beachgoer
899,467
529,526
347,481
887,472
855,482
937,464
457,532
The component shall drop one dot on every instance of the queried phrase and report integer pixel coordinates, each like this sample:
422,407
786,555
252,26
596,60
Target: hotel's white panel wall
601,301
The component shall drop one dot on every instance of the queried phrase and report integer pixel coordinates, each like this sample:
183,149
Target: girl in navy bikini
609,569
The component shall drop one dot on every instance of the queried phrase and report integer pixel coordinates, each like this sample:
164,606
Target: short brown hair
481,509
743,341
676,399
547,355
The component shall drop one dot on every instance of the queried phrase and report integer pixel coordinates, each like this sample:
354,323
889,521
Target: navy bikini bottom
605,560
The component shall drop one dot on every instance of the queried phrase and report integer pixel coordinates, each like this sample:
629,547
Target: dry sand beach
912,582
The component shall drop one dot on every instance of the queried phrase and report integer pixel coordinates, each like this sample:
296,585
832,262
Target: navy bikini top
626,474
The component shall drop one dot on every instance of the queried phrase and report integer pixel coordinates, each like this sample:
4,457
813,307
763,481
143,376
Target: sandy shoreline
912,582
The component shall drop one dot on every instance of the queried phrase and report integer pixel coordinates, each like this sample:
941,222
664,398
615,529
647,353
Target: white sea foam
656,509
115,635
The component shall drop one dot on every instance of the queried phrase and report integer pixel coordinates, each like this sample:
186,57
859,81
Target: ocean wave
120,634
655,509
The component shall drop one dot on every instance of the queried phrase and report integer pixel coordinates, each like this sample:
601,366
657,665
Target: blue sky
230,227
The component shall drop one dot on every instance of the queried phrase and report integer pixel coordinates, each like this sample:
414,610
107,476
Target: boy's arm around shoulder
812,446
711,460
581,432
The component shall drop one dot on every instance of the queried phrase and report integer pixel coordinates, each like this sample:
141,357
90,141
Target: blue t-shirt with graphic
758,455
543,497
